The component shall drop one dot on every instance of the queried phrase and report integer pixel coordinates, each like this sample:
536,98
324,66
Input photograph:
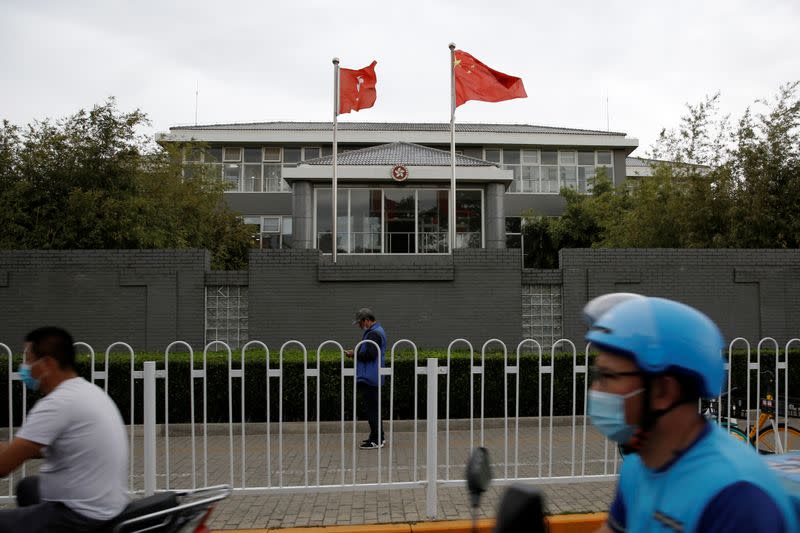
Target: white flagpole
334,203
452,147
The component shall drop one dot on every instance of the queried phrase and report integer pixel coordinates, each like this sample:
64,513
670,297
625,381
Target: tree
91,181
713,187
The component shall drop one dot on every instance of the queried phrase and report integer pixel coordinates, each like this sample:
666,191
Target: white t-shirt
85,449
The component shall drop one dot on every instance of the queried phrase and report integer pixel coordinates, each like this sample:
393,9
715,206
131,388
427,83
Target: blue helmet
661,335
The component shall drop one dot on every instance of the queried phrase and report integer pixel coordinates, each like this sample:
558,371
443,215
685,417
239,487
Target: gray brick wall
146,298
293,295
749,293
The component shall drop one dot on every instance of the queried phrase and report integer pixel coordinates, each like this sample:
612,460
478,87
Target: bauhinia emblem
399,173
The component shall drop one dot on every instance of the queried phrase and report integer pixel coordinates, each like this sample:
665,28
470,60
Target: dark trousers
35,516
369,403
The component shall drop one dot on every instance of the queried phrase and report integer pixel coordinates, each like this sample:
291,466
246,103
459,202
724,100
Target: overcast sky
268,60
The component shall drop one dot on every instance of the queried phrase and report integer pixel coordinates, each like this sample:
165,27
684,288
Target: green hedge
330,405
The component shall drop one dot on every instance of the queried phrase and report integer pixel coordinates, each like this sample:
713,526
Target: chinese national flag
357,88
476,81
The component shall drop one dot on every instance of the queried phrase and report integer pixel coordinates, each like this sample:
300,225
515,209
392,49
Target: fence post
432,371
149,427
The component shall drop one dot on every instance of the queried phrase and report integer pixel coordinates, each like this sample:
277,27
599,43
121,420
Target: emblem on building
399,173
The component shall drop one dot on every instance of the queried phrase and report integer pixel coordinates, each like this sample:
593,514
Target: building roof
639,162
395,126
399,153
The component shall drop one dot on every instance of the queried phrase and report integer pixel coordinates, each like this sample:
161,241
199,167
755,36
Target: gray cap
365,313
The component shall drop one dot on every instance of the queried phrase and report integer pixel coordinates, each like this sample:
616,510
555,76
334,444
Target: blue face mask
607,413
25,375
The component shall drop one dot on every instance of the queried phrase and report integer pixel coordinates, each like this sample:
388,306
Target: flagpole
452,147
334,203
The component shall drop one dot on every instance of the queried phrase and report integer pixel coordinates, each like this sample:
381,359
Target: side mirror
521,509
479,474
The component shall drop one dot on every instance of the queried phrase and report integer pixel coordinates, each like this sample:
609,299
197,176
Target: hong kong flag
357,88
476,81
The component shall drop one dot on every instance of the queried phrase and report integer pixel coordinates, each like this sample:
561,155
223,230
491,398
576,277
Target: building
394,180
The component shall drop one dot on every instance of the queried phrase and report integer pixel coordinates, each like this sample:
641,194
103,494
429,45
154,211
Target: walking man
368,360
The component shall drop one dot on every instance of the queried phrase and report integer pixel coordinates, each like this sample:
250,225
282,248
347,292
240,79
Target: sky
629,66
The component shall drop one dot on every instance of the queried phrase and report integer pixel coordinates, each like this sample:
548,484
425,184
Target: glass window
252,155
585,179
214,155
271,224
549,179
530,157
493,155
272,153
324,220
468,219
399,213
530,179
513,224
365,217
232,175
586,158
603,158
286,232
569,177
432,209
232,154
326,151
511,157
292,155
310,153
252,177
549,157
272,178
473,152
567,157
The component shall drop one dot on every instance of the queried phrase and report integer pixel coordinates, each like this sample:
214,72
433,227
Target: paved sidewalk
266,468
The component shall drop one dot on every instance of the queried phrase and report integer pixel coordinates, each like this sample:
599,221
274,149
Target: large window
271,232
246,169
548,171
398,221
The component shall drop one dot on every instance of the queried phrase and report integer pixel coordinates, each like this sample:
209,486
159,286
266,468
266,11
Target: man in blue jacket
656,359
368,360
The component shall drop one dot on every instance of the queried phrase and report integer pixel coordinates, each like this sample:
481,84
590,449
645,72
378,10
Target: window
232,154
548,171
292,156
272,154
477,153
310,153
513,232
273,232
398,220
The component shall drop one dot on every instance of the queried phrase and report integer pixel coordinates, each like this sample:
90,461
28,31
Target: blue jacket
367,360
717,484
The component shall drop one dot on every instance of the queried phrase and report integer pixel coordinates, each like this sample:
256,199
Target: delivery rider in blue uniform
656,359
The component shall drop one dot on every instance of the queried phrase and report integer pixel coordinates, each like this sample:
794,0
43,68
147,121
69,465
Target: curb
568,523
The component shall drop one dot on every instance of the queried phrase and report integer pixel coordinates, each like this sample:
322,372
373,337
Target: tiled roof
397,126
399,153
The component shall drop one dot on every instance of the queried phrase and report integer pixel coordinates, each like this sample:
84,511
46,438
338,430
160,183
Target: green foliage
714,187
91,181
255,406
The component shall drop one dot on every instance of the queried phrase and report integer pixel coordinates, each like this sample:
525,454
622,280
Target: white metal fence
315,456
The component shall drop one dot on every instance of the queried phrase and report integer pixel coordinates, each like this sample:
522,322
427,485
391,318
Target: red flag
357,88
476,81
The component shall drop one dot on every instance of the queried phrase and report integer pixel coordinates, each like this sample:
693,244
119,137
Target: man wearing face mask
369,360
656,359
79,432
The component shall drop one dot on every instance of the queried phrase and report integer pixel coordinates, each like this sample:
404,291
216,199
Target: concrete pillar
302,215
495,216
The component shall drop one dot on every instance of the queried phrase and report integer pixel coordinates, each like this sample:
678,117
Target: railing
544,448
